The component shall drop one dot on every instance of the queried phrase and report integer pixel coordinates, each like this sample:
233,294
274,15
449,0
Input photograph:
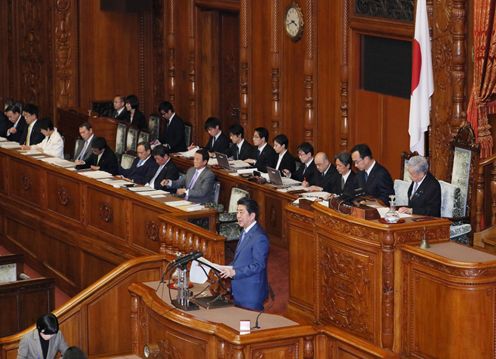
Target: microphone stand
182,300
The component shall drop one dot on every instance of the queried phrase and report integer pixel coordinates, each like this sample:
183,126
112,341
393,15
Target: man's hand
181,191
79,162
95,168
12,130
406,210
227,272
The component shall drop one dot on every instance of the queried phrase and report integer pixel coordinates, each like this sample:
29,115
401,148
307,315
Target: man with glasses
372,178
33,134
307,172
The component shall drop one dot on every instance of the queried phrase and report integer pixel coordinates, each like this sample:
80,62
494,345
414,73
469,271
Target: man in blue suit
249,268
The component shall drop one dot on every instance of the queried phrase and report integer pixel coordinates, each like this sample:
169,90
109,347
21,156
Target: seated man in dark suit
173,137
144,166
198,184
308,171
166,169
82,153
346,183
240,149
102,158
33,134
424,193
4,124
18,126
373,178
285,161
218,141
120,112
327,176
263,155
136,117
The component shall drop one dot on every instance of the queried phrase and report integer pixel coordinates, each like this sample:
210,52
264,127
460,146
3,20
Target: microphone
186,258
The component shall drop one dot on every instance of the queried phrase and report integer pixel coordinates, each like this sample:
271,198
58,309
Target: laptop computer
223,161
277,180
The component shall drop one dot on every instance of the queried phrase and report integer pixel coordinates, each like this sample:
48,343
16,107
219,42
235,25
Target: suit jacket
245,153
53,145
36,135
108,162
87,153
5,124
427,198
328,181
174,136
202,190
288,162
349,185
169,171
21,129
123,116
250,286
378,185
266,158
310,174
30,346
221,144
142,174
139,121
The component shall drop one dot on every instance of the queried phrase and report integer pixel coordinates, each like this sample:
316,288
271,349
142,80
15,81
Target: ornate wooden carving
308,351
141,56
276,63
66,51
345,289
158,49
26,182
387,291
171,51
106,212
327,222
243,59
416,235
447,20
152,231
135,328
63,196
192,62
308,70
396,10
343,126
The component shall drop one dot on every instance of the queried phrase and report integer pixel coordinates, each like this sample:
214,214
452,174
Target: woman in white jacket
52,144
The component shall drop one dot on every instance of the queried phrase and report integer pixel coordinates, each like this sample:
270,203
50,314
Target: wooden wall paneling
395,132
95,267
171,50
344,79
24,182
158,54
65,38
109,53
65,196
145,227
448,61
275,58
192,69
6,55
367,118
308,70
110,214
244,18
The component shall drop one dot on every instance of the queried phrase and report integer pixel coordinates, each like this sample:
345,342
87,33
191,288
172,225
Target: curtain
484,85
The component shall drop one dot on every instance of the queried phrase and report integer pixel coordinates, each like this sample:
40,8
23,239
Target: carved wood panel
147,229
64,198
107,213
25,182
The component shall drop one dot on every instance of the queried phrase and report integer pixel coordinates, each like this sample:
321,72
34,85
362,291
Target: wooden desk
448,307
271,202
344,271
76,228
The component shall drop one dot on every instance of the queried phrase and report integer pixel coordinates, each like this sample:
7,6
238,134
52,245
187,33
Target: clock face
294,22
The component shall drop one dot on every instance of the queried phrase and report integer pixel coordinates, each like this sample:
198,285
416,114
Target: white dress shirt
52,145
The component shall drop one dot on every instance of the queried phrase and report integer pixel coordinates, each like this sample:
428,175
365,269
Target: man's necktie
213,142
140,163
83,151
415,187
342,183
28,137
236,152
242,237
193,180
366,176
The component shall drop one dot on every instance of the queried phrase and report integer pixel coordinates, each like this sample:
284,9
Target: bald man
327,176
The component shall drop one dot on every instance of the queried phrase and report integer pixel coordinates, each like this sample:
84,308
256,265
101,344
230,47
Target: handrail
107,283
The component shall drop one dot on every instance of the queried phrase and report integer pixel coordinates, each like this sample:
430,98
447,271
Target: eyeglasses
358,161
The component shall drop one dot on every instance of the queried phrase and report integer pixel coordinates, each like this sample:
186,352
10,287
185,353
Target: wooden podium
344,271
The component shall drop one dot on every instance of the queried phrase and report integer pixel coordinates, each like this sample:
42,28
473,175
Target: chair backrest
405,156
188,129
216,192
464,165
236,194
132,139
144,137
120,138
154,127
451,205
401,192
127,160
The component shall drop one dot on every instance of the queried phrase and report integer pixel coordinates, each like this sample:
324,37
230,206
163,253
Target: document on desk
10,145
213,162
383,210
96,174
114,182
191,208
154,193
189,153
179,203
59,162
30,153
141,189
237,164
245,171
3,139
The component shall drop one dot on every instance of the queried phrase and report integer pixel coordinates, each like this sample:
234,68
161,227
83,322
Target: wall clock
294,22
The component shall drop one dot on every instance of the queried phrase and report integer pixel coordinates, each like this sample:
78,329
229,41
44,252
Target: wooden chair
188,131
132,139
144,137
127,160
154,127
120,139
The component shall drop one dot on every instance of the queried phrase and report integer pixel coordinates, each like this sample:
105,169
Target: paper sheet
197,274
96,174
189,153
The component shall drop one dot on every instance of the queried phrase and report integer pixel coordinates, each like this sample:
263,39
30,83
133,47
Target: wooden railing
485,211
98,319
